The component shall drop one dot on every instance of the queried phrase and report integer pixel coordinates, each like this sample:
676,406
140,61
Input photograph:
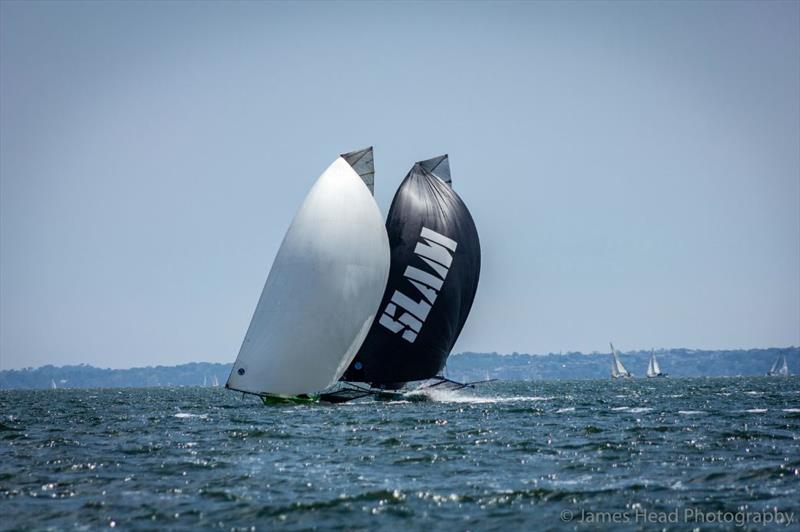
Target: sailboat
215,382
322,292
653,369
780,368
53,384
435,267
618,371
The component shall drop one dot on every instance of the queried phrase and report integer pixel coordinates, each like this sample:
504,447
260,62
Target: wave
459,396
184,415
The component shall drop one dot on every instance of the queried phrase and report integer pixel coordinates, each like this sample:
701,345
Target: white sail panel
321,294
784,369
653,369
656,367
620,368
617,369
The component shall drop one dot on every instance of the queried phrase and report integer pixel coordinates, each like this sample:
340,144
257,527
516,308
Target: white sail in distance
322,292
780,368
617,369
653,369
774,369
783,370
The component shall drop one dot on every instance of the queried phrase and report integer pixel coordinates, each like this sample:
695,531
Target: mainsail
780,368
784,369
774,369
617,369
435,267
323,290
653,369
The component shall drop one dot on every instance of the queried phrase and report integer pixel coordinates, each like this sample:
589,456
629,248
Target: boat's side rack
454,385
350,391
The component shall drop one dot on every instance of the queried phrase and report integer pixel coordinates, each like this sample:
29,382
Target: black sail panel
433,277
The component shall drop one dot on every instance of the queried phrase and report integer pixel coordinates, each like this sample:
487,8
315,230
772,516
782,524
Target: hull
270,400
435,268
321,294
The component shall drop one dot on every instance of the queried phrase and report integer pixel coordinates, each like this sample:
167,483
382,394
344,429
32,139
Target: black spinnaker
433,277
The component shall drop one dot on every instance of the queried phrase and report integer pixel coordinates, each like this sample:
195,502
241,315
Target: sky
633,168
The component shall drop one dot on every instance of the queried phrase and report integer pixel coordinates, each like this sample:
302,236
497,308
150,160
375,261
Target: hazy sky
633,168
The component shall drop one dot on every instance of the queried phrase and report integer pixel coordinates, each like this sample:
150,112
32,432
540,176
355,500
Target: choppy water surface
508,454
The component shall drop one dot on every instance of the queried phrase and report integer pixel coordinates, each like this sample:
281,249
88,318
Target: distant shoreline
680,362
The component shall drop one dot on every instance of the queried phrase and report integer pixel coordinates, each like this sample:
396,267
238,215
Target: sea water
681,453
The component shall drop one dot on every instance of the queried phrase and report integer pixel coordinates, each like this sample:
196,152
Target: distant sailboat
780,368
53,384
205,381
322,292
618,371
653,369
215,382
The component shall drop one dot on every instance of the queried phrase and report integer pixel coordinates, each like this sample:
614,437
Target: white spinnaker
321,294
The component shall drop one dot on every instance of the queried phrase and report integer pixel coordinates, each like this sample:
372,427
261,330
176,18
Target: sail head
363,163
438,166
